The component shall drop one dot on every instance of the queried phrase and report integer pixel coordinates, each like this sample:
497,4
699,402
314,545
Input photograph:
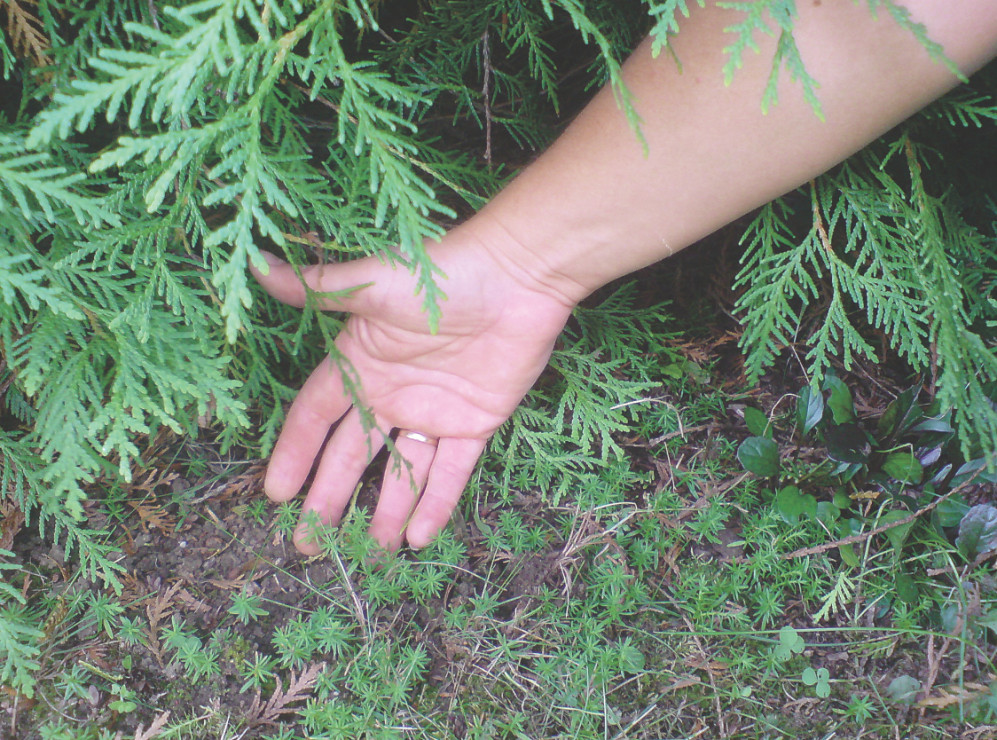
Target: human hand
458,385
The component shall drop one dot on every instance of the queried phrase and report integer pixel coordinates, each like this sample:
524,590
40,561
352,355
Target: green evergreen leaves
666,14
40,190
568,427
759,17
891,248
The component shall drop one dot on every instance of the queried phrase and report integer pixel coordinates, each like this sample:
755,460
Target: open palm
457,385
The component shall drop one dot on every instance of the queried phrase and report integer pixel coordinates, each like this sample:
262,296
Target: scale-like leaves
666,14
569,426
882,253
26,289
759,17
42,191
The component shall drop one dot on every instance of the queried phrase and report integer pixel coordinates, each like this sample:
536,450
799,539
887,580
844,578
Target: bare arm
594,207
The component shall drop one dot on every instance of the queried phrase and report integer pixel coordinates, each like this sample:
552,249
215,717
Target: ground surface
658,604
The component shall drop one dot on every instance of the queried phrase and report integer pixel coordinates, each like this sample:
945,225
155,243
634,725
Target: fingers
448,476
320,402
348,279
414,466
349,451
404,480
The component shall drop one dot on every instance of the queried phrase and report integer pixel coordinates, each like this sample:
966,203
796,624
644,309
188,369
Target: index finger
348,281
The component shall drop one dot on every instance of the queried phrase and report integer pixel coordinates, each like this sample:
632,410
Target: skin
592,208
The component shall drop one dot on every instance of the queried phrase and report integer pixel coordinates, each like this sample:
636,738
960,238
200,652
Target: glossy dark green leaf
940,426
840,401
951,511
978,531
848,556
757,422
827,513
851,526
975,470
809,409
842,500
896,534
846,471
902,413
847,443
903,466
941,474
759,456
791,504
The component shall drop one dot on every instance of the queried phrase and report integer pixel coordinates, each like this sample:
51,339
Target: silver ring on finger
419,437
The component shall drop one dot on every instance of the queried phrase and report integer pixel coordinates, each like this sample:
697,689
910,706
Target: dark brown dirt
188,545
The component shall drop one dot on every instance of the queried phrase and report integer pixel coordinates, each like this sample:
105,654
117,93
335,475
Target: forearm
596,206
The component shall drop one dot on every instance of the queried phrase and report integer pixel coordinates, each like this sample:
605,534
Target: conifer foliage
150,149
900,241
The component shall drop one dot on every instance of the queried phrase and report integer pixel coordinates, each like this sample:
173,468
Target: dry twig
862,536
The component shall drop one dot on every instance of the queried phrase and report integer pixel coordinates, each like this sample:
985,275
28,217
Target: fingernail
272,259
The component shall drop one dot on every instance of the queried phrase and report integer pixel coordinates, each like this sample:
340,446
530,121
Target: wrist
525,259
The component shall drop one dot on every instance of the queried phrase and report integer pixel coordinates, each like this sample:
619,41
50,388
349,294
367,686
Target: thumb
340,287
